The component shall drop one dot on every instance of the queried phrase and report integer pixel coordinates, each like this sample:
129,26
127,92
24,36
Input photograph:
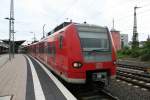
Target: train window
40,49
53,50
61,42
94,40
34,49
94,43
49,49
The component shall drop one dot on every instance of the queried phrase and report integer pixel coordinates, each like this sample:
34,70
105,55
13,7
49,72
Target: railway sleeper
145,69
133,82
138,74
135,77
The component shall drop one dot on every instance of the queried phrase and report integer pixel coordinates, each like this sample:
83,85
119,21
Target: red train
78,53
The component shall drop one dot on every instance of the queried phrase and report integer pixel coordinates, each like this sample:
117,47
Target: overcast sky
31,15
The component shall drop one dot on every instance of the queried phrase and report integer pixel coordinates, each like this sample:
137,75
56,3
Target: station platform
25,78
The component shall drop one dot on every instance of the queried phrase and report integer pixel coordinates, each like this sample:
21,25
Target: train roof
59,27
91,28
89,25
81,26
64,24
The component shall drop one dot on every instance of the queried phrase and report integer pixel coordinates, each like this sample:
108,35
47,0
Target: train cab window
94,40
61,42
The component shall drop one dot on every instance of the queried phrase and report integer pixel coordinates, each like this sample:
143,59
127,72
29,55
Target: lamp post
44,31
33,36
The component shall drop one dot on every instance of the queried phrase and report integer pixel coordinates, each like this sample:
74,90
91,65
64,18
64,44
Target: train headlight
77,65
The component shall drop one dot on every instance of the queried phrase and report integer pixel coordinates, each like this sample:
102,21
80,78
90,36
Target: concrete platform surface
25,78
13,75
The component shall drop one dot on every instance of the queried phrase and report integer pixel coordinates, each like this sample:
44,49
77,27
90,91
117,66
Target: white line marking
65,91
39,95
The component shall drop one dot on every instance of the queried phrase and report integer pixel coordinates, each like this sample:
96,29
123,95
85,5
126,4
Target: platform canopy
16,43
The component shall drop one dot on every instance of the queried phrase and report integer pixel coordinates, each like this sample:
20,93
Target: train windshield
95,42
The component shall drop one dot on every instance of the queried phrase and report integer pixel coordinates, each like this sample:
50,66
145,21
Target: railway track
134,75
88,92
134,82
145,69
140,74
131,67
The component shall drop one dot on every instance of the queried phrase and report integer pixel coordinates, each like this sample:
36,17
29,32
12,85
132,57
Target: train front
93,57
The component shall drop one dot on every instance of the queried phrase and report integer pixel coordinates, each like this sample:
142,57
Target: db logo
99,65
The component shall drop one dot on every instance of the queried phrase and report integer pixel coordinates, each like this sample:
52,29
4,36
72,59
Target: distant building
116,39
124,40
3,47
16,44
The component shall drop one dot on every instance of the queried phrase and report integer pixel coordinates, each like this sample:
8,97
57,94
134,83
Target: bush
147,45
135,53
145,57
126,51
143,53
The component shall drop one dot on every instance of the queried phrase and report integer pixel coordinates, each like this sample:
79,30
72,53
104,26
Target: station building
116,38
120,40
3,47
16,45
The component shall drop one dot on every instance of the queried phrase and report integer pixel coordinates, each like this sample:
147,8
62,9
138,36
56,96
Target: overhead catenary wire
72,5
74,2
128,17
